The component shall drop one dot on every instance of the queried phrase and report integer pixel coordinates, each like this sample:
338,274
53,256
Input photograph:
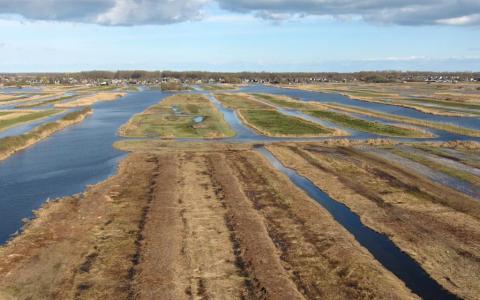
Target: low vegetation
47,102
91,100
240,101
286,102
417,122
23,118
179,116
182,223
437,226
173,86
274,123
366,126
441,99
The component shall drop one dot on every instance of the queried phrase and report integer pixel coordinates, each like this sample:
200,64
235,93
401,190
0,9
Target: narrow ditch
379,245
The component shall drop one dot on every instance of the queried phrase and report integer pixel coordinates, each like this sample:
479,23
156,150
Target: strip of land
416,122
437,226
191,222
446,99
322,112
266,120
90,100
179,116
46,102
12,144
274,123
18,117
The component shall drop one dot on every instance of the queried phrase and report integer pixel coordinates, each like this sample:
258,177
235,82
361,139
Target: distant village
124,78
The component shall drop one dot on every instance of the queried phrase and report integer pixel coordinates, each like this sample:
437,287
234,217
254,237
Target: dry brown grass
438,227
90,100
180,224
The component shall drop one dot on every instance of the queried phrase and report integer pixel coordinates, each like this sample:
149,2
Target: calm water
66,162
379,245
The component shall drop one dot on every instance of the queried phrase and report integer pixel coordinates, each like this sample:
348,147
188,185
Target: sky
239,35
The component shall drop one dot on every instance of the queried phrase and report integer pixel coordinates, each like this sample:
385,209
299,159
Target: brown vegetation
182,224
435,225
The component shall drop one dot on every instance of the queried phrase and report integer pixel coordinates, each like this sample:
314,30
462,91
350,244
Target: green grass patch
239,101
4,124
279,101
447,104
271,122
175,118
364,125
218,87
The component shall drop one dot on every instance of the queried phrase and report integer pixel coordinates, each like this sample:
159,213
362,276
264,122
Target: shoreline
41,132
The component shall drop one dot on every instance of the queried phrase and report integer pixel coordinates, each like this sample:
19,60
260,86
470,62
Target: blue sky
216,36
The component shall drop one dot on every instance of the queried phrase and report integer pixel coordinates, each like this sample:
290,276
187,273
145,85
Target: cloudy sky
237,35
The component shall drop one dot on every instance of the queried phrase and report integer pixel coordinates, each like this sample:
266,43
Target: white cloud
403,12
140,12
107,12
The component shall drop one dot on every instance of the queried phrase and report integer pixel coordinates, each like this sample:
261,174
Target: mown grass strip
284,102
240,101
364,125
273,123
4,124
424,123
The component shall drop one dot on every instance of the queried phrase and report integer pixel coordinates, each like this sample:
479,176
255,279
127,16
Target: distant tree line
149,76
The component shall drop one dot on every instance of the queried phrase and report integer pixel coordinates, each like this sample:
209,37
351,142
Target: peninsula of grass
26,118
219,87
274,123
285,101
424,123
366,126
179,116
240,101
47,102
12,144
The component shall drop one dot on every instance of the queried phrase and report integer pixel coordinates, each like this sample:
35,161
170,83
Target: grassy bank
273,123
286,102
434,125
47,102
12,144
413,96
91,100
26,118
240,101
175,117
366,126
